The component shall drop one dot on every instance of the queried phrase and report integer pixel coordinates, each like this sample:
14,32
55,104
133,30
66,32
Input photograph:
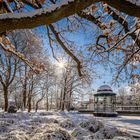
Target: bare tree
122,96
7,73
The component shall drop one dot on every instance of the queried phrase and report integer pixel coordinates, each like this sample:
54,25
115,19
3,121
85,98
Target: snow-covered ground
131,124
61,126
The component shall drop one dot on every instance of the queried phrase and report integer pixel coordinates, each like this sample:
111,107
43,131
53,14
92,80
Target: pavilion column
97,104
94,103
104,103
114,103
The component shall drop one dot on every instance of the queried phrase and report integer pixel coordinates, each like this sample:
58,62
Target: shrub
12,109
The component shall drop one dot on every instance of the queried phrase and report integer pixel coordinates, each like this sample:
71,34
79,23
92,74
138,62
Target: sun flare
61,64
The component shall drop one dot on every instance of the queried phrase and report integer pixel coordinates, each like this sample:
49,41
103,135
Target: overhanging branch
46,16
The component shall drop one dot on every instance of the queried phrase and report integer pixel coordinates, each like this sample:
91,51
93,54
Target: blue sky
81,38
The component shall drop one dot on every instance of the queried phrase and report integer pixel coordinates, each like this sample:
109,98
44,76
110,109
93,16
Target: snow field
56,126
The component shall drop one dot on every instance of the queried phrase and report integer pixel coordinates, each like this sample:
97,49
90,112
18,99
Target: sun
61,65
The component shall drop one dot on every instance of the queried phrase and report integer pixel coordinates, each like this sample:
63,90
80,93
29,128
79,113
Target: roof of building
105,90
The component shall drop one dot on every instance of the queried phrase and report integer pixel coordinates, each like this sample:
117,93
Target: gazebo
105,102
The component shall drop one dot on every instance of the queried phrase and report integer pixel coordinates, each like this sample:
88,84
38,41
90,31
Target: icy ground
58,126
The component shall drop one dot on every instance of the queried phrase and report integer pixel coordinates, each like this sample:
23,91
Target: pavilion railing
128,108
118,108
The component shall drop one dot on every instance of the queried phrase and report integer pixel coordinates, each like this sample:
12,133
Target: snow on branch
42,16
136,2
46,16
12,50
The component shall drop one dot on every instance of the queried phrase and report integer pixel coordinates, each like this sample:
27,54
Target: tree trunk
5,99
16,102
69,102
57,100
25,89
61,97
64,94
63,101
36,107
33,104
70,94
47,103
51,102
24,97
30,95
29,103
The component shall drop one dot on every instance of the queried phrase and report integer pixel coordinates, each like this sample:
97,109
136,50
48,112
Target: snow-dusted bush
52,120
92,125
8,115
79,133
122,138
52,132
90,137
15,135
29,129
109,133
47,113
12,109
58,126
38,120
2,122
18,116
67,123
22,116
62,113
3,129
8,120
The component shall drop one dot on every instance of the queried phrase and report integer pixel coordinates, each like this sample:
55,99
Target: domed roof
104,88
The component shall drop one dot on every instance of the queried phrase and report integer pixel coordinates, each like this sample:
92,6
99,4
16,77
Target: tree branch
46,16
90,17
123,22
126,62
67,50
26,61
122,38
